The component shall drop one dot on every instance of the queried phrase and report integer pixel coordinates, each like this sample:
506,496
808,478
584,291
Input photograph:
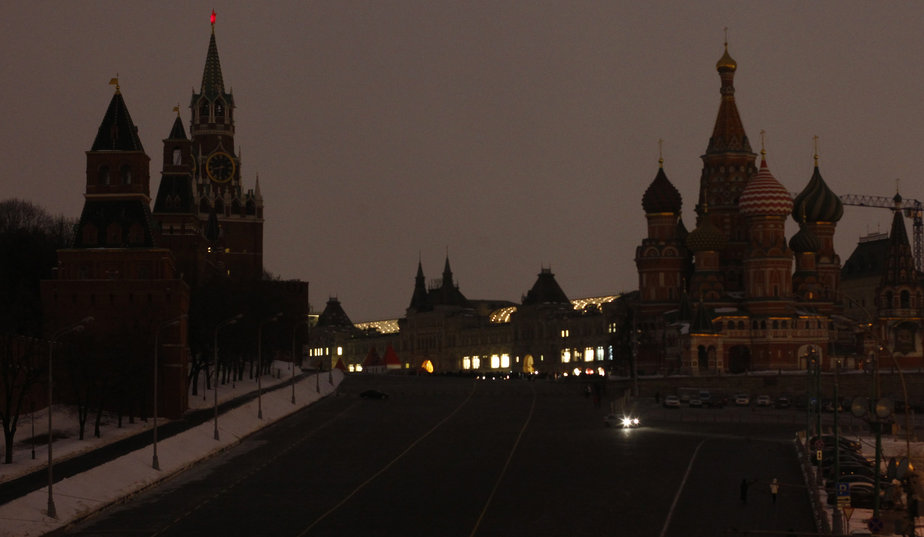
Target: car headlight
629,421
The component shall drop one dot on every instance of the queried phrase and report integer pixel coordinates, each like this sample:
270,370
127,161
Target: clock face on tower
220,167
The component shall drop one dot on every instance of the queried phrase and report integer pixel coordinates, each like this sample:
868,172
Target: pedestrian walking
745,483
774,490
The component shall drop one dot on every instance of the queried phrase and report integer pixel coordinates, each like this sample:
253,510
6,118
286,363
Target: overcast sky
514,135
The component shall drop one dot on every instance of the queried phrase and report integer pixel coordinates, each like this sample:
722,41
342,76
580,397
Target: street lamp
271,319
226,322
154,462
76,327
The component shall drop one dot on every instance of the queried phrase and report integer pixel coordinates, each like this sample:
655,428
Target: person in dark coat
745,483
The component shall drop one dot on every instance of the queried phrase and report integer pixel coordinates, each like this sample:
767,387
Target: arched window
135,234
219,206
204,206
776,324
219,109
203,110
113,234
763,325
177,156
236,207
888,300
905,299
90,235
102,176
126,173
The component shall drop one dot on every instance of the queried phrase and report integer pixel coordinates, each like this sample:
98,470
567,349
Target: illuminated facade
445,332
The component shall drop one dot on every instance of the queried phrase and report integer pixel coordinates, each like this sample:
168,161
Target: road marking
680,489
503,471
374,476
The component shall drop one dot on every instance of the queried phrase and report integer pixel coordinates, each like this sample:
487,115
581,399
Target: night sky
512,135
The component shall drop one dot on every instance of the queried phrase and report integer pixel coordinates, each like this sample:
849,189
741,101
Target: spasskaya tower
231,217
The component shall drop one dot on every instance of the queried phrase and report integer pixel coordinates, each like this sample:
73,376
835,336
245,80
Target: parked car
782,402
717,400
763,400
705,397
672,401
742,399
696,402
843,442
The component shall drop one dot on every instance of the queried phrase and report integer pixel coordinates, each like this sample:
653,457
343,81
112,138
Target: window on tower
126,173
219,109
102,177
204,110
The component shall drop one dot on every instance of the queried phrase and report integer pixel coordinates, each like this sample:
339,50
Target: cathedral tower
765,205
728,164
662,258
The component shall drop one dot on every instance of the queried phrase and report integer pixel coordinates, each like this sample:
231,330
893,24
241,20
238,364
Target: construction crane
911,208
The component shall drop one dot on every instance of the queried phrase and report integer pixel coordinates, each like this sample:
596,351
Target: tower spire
212,82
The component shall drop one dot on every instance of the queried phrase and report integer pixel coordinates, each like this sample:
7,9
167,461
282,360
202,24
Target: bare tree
20,370
29,240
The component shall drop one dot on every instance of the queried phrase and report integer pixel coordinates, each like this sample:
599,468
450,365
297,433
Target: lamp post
295,352
154,462
76,327
271,319
226,322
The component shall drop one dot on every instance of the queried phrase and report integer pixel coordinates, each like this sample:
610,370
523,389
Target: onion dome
805,241
817,203
726,62
764,195
661,196
706,237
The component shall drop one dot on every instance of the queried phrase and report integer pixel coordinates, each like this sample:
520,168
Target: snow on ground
83,494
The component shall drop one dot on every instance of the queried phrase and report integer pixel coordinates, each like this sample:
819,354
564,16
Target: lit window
600,354
589,354
476,362
505,360
339,351
565,356
466,362
565,332
495,361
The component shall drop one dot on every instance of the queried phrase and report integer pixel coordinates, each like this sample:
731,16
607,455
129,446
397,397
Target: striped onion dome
706,237
764,195
805,241
817,203
661,196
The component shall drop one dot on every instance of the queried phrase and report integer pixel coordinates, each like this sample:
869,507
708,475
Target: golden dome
726,62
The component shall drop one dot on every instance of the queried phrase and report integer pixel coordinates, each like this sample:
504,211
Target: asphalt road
450,457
